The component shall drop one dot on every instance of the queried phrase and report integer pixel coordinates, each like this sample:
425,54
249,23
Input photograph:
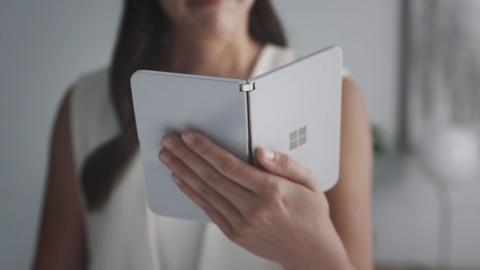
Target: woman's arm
61,240
349,200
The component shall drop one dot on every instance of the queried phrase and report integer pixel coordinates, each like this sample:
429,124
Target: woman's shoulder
92,81
281,55
92,115
90,88
90,95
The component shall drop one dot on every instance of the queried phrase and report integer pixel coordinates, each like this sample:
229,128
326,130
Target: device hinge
247,87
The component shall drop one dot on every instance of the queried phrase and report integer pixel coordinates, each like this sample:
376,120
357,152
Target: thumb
283,165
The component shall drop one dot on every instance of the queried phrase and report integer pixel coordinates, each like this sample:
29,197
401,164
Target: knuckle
175,165
272,189
212,176
185,190
200,146
274,195
235,235
231,234
287,162
256,216
183,153
229,165
205,191
241,232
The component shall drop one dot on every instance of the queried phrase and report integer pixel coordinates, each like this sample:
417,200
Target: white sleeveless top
125,234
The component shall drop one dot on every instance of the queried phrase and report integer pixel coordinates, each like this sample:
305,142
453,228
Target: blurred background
417,64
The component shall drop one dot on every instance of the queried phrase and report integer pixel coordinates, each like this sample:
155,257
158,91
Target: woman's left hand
280,214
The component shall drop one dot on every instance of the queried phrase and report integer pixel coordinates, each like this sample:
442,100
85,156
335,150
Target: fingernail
268,155
188,136
168,141
165,157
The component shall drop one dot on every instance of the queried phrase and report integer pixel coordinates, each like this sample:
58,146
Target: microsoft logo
298,137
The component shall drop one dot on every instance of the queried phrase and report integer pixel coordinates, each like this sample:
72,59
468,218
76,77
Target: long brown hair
143,28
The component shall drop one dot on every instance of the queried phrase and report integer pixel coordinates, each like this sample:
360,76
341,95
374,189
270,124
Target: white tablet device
293,109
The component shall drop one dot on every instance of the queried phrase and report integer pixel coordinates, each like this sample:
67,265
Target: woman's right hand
280,214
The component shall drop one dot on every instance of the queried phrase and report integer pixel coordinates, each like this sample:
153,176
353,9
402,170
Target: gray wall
368,32
45,45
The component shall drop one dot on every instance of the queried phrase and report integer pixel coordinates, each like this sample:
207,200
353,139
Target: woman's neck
231,56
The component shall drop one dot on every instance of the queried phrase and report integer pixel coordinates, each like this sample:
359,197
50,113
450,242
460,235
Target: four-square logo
298,137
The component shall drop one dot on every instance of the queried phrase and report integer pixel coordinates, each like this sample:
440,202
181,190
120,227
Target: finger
219,202
235,193
283,165
214,215
225,162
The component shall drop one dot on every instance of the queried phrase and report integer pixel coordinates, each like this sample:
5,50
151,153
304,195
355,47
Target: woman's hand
279,214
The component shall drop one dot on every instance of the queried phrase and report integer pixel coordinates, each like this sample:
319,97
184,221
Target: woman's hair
143,28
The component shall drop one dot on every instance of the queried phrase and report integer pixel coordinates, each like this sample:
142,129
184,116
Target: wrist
312,262
327,252
335,262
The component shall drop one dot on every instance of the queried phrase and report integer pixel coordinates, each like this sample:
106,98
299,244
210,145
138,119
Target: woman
95,213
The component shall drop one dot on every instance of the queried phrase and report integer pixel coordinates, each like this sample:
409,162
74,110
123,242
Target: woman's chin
214,25
203,5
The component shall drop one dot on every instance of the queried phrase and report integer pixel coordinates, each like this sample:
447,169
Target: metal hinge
247,87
